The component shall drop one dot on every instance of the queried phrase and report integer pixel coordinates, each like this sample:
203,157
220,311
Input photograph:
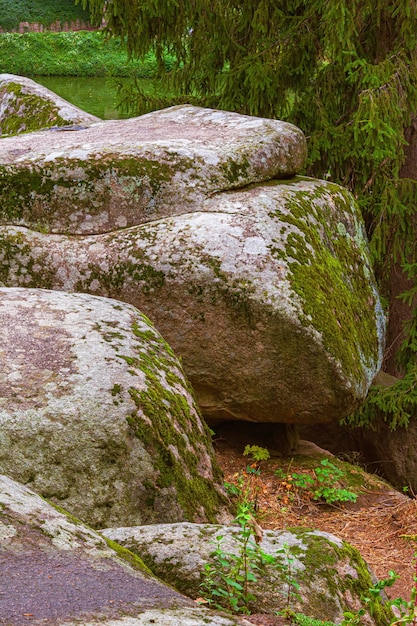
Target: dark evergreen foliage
344,71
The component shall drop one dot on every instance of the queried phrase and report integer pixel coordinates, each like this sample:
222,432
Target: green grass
78,53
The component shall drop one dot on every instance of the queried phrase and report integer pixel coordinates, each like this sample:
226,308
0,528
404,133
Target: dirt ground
381,524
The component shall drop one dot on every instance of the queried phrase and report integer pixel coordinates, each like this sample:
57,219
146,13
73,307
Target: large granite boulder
95,412
56,570
26,106
318,574
268,298
122,173
265,289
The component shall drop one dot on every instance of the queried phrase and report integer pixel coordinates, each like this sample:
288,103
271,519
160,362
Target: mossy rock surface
26,106
121,173
330,574
267,294
96,413
265,289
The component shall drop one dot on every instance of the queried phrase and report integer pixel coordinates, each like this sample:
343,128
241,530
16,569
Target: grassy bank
12,12
69,54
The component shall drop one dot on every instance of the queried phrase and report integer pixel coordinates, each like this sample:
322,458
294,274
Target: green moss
116,390
45,197
234,171
167,427
71,518
145,335
327,271
324,557
236,294
117,276
27,112
128,556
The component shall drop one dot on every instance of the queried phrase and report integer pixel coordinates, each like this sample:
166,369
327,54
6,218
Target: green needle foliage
344,71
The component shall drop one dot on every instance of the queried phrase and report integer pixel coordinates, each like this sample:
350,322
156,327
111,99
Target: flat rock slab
54,570
170,617
53,567
121,173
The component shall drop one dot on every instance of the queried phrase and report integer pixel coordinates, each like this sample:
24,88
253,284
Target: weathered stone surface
170,617
55,570
27,106
330,573
266,293
121,173
95,412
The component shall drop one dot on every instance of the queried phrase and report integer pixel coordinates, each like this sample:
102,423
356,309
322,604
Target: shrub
45,12
78,53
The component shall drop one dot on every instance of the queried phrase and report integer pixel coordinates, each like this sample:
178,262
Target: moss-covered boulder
313,572
121,173
95,412
26,106
56,570
265,289
267,294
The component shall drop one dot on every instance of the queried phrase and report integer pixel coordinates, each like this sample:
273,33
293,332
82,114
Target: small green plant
322,484
355,618
257,453
228,577
233,490
244,488
284,564
327,475
406,612
299,619
246,484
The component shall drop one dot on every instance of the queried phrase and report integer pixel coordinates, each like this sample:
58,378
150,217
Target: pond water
95,95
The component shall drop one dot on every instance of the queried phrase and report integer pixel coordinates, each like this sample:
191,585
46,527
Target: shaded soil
37,586
381,524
